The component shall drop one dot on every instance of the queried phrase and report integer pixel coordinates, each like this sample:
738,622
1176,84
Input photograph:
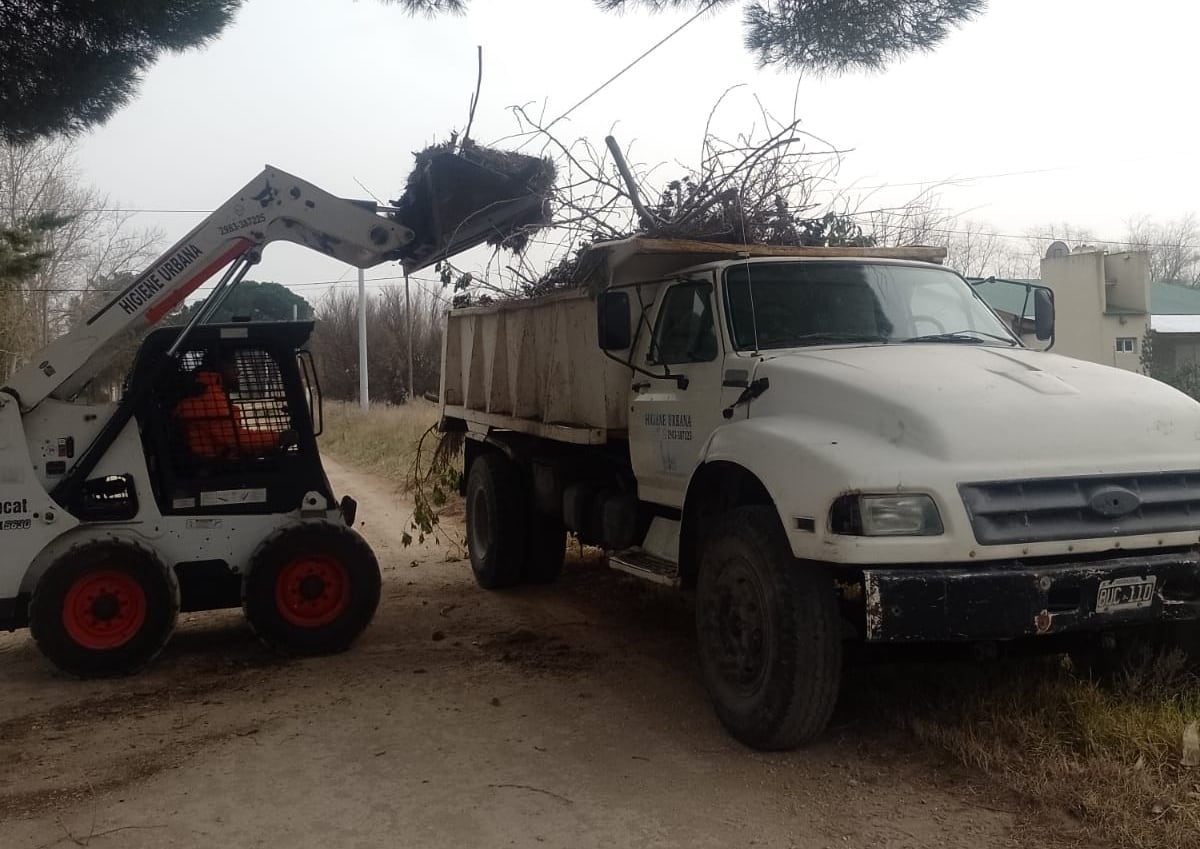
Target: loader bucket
457,200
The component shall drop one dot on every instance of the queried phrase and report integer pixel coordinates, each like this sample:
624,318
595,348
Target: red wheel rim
104,610
312,590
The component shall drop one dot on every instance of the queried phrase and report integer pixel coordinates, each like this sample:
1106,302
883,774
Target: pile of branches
774,185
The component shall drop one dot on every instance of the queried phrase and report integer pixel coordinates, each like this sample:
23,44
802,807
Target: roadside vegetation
382,440
1103,765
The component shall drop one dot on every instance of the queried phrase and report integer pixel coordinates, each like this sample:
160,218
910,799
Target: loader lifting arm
273,206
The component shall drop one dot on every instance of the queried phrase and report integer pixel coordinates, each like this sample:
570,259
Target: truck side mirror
1043,314
612,321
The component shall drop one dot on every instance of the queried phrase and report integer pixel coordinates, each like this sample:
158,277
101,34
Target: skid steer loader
202,487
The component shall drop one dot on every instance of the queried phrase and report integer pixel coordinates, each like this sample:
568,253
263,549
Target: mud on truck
832,449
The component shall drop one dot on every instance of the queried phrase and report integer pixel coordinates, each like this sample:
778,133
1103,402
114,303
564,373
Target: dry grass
382,440
1108,755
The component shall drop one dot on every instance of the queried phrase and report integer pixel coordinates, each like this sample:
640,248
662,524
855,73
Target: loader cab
229,425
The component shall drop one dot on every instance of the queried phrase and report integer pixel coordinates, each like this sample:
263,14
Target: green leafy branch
432,485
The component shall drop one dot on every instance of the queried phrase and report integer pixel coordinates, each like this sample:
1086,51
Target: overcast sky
1096,96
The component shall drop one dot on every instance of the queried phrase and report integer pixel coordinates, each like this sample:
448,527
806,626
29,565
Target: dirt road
567,716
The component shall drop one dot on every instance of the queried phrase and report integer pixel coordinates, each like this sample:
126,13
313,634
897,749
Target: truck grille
1048,509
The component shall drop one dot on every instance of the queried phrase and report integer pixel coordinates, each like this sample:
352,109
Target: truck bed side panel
535,361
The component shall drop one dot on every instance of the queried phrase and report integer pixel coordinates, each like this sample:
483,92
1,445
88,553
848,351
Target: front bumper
1010,600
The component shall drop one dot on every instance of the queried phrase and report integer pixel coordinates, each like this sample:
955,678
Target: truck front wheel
768,632
497,523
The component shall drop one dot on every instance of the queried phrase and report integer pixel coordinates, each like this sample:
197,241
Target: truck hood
985,406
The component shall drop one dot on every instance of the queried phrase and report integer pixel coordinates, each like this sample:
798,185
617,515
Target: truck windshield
793,304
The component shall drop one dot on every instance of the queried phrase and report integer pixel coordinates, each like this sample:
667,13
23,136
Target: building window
1126,344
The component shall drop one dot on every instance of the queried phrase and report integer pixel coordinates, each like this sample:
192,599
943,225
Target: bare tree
975,249
335,343
94,244
1173,245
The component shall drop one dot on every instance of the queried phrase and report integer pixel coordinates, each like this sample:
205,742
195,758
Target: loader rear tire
497,521
312,589
104,609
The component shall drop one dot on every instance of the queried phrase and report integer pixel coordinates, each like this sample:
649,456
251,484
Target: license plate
1125,594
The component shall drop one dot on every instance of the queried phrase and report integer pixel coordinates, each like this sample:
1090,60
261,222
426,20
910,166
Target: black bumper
1011,600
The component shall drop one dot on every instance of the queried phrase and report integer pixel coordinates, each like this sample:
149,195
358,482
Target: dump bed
535,365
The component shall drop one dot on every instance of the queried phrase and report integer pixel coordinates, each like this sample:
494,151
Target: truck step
644,565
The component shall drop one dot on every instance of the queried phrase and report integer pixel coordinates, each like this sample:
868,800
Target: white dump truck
828,446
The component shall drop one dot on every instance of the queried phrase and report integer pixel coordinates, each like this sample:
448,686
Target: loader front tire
497,521
312,589
104,609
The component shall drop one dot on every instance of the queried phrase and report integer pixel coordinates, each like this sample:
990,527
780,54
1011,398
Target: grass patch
382,440
1109,755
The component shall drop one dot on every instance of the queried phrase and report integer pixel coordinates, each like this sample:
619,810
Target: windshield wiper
969,337
831,339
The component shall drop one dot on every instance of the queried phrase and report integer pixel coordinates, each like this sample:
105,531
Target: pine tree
67,65
822,36
21,254
834,36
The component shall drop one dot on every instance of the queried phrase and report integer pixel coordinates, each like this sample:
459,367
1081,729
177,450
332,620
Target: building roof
1173,299
1175,323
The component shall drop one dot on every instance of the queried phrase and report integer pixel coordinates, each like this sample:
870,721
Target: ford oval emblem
1114,501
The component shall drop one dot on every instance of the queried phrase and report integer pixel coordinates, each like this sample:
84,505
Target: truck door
669,425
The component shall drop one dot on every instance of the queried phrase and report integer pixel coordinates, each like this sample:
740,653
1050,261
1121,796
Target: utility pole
408,319
363,398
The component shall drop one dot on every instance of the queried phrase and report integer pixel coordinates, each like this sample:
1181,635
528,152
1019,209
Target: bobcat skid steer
202,488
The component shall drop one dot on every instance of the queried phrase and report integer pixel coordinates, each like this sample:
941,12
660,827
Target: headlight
886,516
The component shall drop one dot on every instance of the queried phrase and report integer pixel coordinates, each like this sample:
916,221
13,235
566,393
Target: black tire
497,521
104,609
311,589
547,549
769,633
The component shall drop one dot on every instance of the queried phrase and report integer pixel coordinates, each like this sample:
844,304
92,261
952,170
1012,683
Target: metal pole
364,399
408,318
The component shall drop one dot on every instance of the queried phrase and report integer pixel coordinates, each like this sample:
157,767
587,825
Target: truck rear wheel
768,632
104,609
497,521
311,589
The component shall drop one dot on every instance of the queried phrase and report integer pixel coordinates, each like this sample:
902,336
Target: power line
703,9
950,181
933,182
